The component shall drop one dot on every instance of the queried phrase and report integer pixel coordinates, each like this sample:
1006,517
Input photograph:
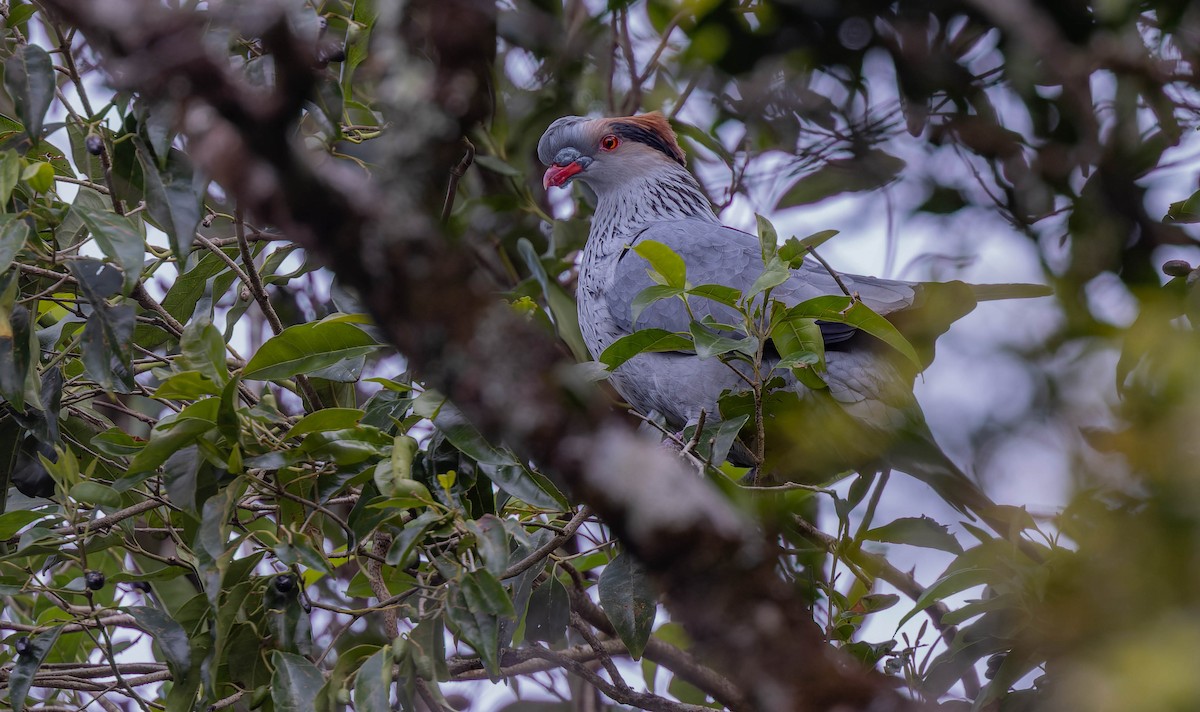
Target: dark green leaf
170,636
526,485
630,602
491,540
307,347
548,614
120,239
21,677
645,340
13,234
171,198
295,683
106,347
29,78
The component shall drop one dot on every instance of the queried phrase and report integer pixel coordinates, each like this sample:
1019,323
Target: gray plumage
867,418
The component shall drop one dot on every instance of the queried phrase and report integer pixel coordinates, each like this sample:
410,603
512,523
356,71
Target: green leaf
202,348
295,683
307,347
951,583
868,171
794,249
796,339
768,239
844,310
491,540
166,441
170,636
916,531
473,610
106,346
120,239
526,485
668,266
326,419
773,275
645,340
40,176
21,676
630,602
189,385
10,173
709,344
1184,211
12,522
373,683
650,295
549,613
29,78
90,492
718,293
171,198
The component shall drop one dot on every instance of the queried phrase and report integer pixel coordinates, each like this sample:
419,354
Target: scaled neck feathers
667,193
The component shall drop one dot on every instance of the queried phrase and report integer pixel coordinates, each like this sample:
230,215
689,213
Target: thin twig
836,277
456,173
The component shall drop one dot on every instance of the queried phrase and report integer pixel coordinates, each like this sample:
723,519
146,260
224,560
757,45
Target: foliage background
224,491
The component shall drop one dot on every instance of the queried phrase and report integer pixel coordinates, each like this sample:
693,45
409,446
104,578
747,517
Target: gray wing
721,255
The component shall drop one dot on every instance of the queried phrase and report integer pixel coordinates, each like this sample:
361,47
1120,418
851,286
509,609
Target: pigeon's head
605,152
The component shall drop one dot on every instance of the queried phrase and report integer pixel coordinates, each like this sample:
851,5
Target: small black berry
23,647
94,580
95,144
1176,268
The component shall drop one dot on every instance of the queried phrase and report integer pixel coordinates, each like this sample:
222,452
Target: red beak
558,175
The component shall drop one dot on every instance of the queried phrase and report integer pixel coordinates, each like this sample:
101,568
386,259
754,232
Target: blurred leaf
869,171
630,602
562,306
29,79
916,531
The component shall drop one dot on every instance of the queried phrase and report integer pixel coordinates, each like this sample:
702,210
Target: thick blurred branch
425,289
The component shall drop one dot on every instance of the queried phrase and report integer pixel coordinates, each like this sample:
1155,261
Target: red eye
609,142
